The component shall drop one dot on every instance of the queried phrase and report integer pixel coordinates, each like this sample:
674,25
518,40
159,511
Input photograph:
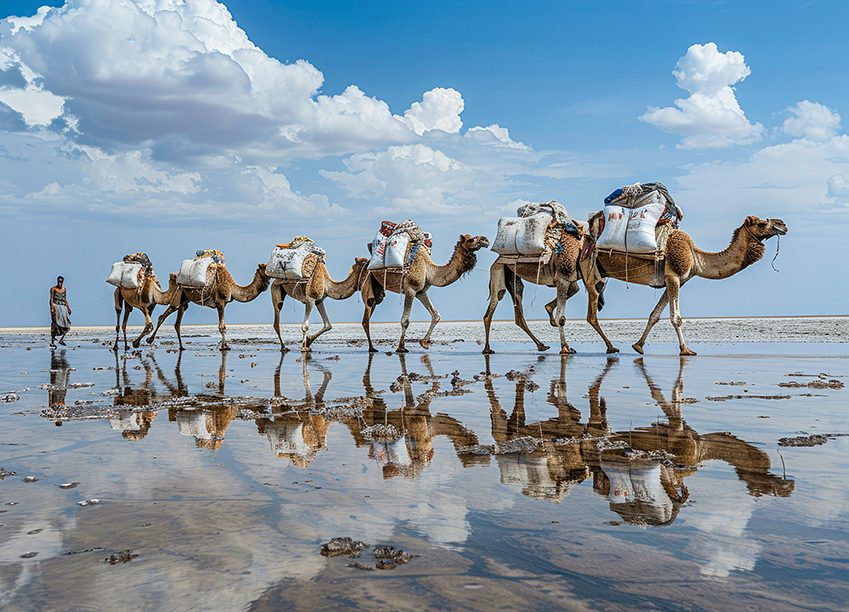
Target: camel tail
601,297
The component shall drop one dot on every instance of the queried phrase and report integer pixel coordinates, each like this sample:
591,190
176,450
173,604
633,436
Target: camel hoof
638,348
401,349
543,347
425,345
225,347
371,349
567,350
687,353
136,344
306,349
150,340
612,350
488,351
284,349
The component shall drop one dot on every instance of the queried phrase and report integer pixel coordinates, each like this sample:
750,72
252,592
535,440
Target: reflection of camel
683,261
223,291
407,454
415,282
691,448
207,425
548,471
312,292
133,424
642,486
295,430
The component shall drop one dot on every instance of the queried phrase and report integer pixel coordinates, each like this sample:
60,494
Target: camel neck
743,250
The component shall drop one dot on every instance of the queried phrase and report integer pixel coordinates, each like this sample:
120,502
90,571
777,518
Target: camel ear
750,220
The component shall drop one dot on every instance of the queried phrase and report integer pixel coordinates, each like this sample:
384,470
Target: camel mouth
781,230
484,242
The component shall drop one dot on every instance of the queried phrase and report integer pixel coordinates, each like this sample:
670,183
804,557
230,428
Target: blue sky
167,126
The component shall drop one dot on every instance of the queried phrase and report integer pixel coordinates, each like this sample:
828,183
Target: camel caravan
635,238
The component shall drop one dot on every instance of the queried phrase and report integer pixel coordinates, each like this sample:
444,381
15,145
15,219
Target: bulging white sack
125,275
126,421
396,250
631,229
522,235
196,273
287,264
378,249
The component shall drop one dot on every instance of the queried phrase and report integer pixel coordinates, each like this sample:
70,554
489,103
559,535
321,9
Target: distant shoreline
236,326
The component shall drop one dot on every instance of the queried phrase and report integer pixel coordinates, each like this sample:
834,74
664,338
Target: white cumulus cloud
711,116
439,109
811,120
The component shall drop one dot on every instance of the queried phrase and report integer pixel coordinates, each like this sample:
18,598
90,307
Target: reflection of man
59,373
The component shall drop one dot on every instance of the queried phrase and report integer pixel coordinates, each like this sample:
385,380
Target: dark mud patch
343,546
125,556
814,384
6,473
811,440
725,398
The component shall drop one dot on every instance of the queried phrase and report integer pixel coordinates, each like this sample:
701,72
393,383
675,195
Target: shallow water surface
521,480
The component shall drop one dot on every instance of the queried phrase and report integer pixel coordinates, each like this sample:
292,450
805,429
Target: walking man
60,312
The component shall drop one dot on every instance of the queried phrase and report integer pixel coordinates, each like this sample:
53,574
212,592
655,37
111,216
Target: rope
777,250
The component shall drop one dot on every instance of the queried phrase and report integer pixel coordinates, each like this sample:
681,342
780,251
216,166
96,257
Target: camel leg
119,306
672,288
222,328
278,295
305,326
654,317
549,308
497,289
593,297
325,320
127,310
515,290
405,323
148,325
560,316
178,323
160,321
434,318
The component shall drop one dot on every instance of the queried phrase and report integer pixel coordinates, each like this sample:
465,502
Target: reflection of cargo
393,452
287,438
636,492
194,423
127,421
532,472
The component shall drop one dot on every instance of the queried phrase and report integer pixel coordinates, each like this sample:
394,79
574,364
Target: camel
313,292
560,272
683,261
415,282
223,291
145,298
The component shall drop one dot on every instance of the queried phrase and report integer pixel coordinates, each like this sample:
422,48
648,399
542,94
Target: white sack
630,483
125,275
391,453
631,229
195,273
287,264
396,250
378,248
522,235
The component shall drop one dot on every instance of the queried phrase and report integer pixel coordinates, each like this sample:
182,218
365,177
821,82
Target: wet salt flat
523,480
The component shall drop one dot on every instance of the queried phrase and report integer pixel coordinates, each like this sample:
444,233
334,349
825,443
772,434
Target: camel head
360,262
763,229
472,243
265,280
